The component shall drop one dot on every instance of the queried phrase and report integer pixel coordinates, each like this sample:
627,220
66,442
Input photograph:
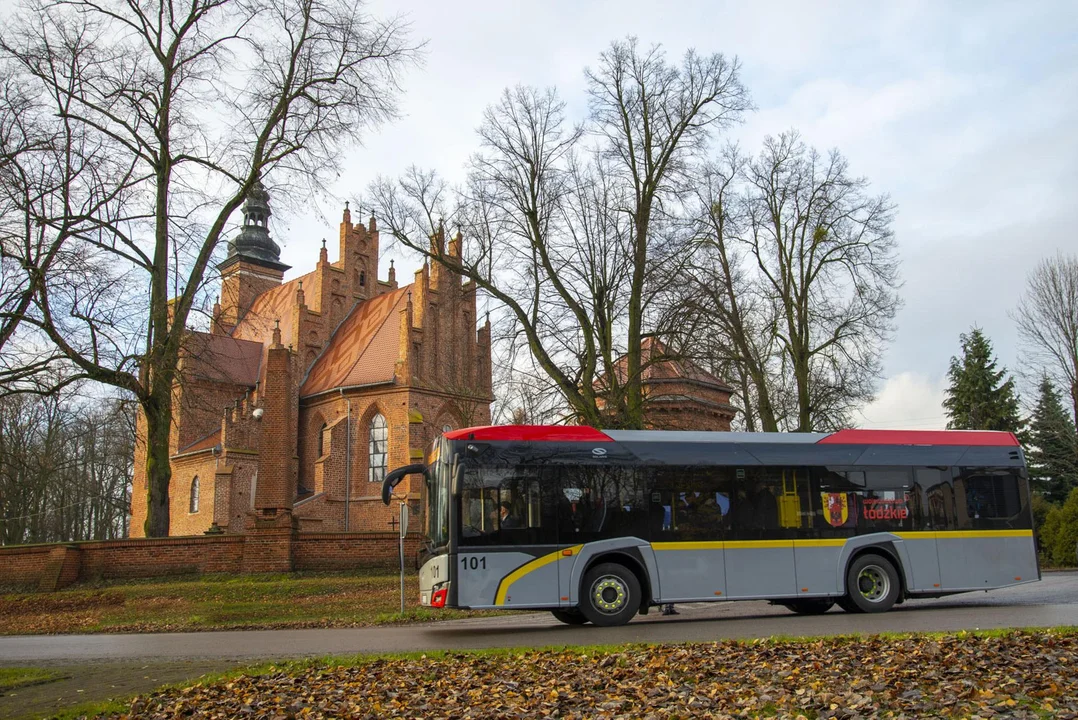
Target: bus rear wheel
809,607
569,617
610,595
872,584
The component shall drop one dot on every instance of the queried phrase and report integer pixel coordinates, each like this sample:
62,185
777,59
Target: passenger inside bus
507,519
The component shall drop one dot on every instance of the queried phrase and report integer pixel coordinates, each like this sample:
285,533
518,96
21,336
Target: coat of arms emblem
836,507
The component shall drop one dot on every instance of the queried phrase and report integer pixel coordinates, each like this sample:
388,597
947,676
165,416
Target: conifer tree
1053,455
980,397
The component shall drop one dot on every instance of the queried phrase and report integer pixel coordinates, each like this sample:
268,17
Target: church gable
362,350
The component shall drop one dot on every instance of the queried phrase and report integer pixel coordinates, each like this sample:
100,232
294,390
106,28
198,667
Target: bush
1059,535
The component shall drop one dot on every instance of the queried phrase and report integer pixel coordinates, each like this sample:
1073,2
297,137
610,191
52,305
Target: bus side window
755,509
838,496
933,485
703,507
887,504
989,499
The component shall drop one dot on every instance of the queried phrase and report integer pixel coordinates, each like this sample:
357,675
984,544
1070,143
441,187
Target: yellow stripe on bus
746,544
833,542
503,586
944,534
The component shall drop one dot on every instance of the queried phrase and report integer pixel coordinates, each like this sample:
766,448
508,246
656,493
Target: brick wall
340,551
23,564
51,567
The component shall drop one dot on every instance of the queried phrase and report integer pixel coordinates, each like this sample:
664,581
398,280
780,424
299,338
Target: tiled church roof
220,358
206,443
272,305
363,349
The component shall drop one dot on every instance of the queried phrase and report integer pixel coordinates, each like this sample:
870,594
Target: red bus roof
529,433
979,438
583,433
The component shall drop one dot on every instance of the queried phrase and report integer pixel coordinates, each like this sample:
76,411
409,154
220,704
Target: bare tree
565,224
739,339
65,468
156,120
795,274
1047,319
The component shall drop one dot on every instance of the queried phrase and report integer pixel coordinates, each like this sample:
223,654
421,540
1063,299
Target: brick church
291,409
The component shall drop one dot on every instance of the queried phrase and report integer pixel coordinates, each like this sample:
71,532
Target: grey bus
597,526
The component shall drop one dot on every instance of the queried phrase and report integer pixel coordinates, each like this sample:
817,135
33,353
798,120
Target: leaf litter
1016,675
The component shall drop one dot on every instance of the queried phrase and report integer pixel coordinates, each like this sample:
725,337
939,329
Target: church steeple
253,265
253,244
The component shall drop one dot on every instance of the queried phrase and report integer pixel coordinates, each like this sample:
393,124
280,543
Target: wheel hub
609,594
873,583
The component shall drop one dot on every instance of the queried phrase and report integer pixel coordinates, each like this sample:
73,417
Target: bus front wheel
872,584
610,595
569,617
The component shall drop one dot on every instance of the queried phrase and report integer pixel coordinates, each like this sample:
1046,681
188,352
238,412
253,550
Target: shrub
1059,535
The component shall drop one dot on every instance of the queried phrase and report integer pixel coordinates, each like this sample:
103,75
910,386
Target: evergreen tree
979,397
1053,456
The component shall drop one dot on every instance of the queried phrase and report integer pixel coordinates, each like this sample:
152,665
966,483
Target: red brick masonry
51,567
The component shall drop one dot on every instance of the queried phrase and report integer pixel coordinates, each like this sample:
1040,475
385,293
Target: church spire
253,244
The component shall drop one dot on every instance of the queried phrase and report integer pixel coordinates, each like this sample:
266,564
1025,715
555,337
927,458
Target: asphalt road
1053,601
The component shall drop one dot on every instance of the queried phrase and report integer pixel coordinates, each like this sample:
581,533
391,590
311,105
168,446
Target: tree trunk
804,406
158,471
764,407
634,397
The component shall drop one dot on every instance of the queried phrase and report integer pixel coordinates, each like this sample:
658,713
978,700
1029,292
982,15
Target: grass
216,602
12,678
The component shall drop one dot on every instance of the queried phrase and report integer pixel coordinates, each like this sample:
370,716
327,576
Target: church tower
253,265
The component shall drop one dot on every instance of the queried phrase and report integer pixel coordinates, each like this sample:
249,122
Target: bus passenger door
931,515
760,546
689,507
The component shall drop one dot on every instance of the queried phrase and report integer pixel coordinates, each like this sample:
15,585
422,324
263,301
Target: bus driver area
597,526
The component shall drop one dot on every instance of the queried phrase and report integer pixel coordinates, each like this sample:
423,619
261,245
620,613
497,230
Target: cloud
907,401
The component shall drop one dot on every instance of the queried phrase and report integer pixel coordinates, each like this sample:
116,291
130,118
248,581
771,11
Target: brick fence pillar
61,568
267,542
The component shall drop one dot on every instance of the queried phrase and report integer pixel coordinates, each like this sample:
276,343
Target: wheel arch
632,561
888,552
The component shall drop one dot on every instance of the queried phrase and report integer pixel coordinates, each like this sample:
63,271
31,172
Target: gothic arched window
194,496
322,440
378,449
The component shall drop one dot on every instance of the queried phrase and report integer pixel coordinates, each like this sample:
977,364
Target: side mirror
393,479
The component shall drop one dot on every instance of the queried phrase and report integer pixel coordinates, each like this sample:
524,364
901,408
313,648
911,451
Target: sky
966,113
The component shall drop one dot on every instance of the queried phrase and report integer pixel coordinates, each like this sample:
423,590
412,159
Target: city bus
600,525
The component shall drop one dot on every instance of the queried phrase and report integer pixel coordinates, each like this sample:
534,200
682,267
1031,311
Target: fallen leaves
1017,675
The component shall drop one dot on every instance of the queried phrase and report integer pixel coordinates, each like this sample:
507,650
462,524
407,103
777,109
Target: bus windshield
436,478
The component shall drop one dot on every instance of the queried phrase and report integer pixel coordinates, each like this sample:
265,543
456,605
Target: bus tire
872,584
610,595
569,617
809,606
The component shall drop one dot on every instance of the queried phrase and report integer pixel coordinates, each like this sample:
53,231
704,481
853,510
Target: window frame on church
321,441
193,499
377,448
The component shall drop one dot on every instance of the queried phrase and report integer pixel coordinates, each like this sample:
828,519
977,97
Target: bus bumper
436,597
